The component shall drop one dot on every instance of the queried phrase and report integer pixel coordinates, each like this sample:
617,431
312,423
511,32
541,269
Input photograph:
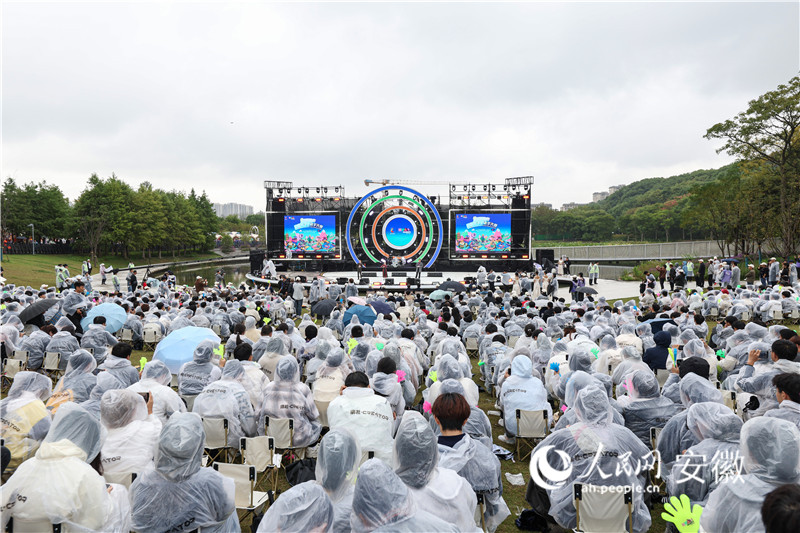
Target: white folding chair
322,407
472,346
531,426
512,341
601,511
188,399
150,338
216,441
216,329
260,452
729,399
126,335
777,315
10,369
282,430
244,478
662,374
52,361
174,382
22,355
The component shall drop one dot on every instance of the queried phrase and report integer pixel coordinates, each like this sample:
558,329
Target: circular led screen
394,223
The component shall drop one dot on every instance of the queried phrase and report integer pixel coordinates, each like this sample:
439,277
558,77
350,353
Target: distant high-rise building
597,196
570,205
240,210
542,204
614,188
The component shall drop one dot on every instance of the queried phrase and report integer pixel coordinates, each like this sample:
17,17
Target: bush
226,244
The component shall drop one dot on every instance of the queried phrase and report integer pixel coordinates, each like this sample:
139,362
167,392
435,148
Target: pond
234,273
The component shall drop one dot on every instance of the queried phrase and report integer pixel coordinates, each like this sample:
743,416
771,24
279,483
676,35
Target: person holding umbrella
98,339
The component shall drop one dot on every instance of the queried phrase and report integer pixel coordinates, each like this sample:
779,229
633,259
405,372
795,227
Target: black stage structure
322,229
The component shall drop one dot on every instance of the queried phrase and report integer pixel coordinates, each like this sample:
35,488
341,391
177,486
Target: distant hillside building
570,205
542,204
240,210
614,188
597,196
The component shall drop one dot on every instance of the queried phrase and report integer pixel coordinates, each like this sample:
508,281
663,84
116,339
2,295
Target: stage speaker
543,253
388,281
520,222
363,281
342,281
256,261
275,220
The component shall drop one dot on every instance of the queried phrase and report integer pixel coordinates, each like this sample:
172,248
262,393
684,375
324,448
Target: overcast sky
220,97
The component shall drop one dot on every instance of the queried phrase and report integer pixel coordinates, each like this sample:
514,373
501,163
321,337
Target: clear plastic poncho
25,420
177,490
522,391
583,442
196,374
647,407
303,508
382,502
771,452
337,466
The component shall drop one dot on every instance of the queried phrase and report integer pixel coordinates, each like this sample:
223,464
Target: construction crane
385,182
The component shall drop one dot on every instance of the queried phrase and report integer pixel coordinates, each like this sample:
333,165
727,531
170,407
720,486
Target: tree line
111,215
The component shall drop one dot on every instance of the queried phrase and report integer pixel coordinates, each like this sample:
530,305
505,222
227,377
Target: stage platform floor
610,289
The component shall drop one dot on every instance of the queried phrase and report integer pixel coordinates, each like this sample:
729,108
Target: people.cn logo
545,475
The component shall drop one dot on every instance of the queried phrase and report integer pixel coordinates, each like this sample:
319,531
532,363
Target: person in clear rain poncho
470,459
77,383
770,449
35,344
439,491
25,419
477,426
359,356
273,351
609,354
156,380
578,381
392,351
105,382
301,509
647,407
227,398
132,437
676,436
717,430
65,344
631,362
178,494
337,465
521,391
382,502
58,485
320,354
596,447
98,338
286,397
196,374
448,368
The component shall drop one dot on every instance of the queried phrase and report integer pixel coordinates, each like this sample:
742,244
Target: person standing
297,296
689,271
384,268
774,271
736,275
359,268
701,274
418,271
491,279
102,273
662,275
671,275
115,280
567,263
133,283
750,277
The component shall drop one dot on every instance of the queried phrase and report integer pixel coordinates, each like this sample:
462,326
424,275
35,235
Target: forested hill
658,191
648,209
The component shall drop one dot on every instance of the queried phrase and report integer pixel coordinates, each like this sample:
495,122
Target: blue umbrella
439,295
178,347
365,314
115,316
381,307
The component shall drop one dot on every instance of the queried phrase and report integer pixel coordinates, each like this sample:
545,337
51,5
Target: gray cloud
222,96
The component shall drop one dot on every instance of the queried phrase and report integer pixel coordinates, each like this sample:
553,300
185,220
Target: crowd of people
389,406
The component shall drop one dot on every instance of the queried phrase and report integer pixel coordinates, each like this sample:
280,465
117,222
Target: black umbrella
37,308
323,307
586,290
381,307
452,286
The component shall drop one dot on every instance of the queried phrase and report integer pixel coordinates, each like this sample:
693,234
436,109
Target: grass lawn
35,270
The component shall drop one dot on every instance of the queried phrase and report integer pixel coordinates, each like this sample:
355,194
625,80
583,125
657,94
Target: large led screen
310,233
483,233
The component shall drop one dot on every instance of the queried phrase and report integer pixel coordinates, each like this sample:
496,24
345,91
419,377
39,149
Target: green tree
149,219
767,132
40,204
